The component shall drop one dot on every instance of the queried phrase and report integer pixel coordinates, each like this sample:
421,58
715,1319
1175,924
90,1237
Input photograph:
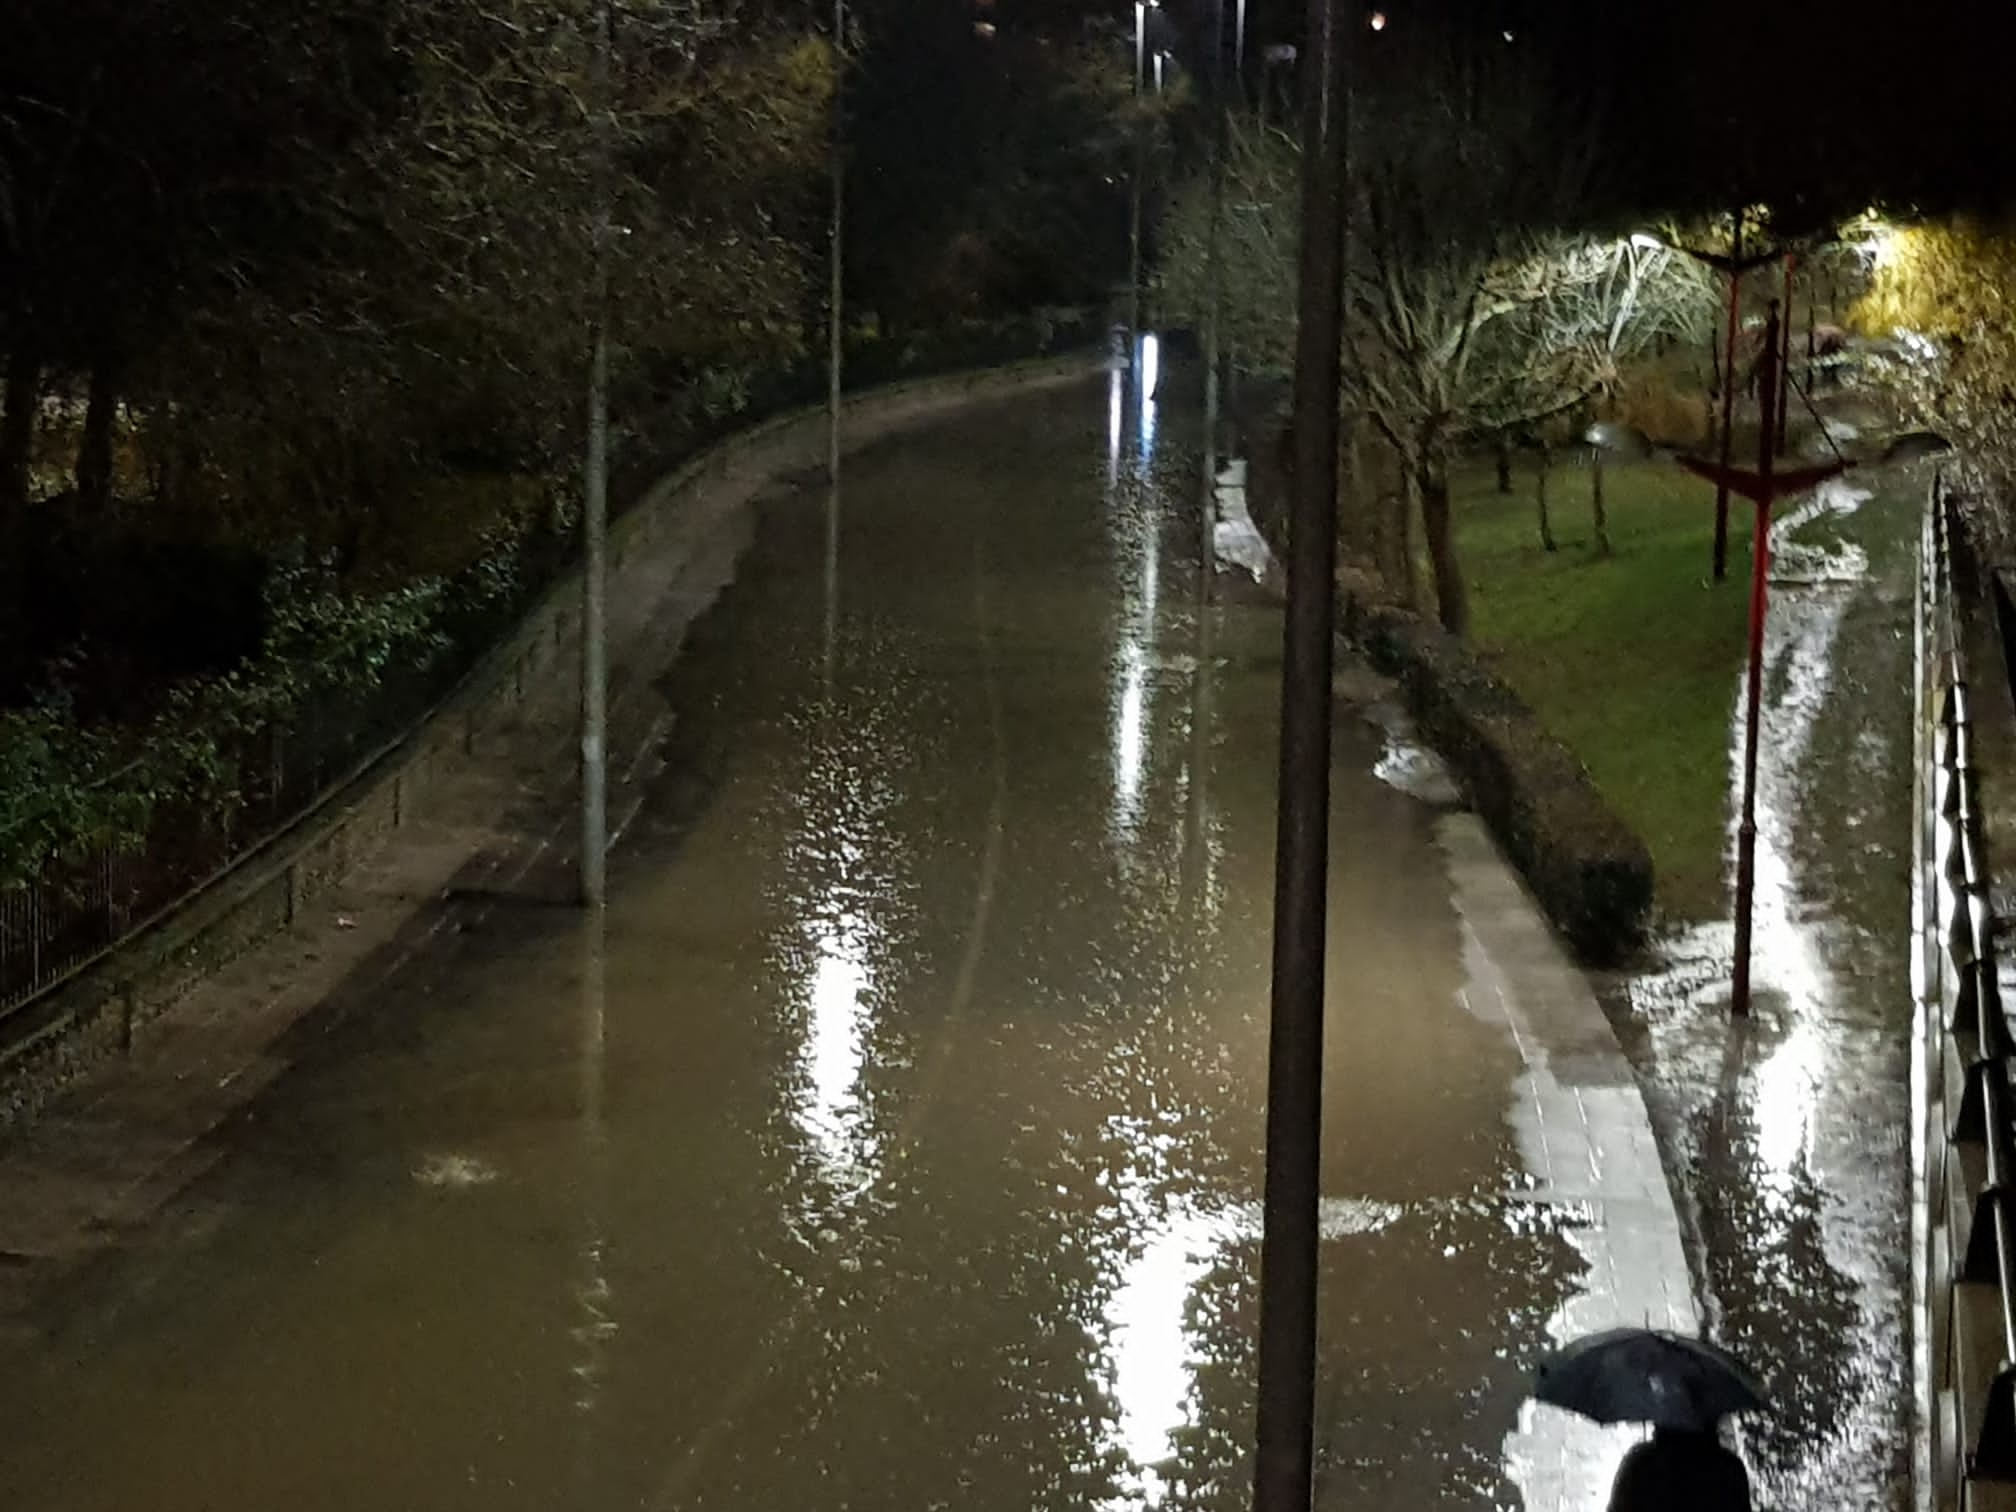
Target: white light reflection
1150,368
1786,948
1115,414
1152,1365
1153,1368
1129,741
830,1108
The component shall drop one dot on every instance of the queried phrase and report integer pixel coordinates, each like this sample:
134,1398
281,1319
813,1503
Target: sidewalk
111,1153
1787,1137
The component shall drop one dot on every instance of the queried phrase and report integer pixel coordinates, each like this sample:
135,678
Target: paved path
1789,1134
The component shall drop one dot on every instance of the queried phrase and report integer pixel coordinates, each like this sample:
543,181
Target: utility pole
1134,193
1214,277
595,505
1287,1386
835,313
1729,398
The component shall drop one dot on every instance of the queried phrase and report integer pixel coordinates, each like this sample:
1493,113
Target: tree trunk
1451,600
17,433
1504,463
1403,539
1540,496
1596,501
1357,526
94,452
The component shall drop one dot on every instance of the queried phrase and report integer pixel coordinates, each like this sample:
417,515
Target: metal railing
1970,1110
83,906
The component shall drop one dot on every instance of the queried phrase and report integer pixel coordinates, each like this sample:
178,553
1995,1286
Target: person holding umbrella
1681,1469
1684,1388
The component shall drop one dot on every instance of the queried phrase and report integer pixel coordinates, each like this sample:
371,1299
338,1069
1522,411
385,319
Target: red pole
1728,406
1753,694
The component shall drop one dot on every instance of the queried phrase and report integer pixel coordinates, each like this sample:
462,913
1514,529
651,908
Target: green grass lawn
1630,661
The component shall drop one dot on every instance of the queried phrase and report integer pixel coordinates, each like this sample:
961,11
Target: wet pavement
895,1141
1790,1135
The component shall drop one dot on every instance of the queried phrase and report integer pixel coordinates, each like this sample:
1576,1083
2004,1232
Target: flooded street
895,1142
1790,1133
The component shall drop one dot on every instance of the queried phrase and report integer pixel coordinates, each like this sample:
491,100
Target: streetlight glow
1378,21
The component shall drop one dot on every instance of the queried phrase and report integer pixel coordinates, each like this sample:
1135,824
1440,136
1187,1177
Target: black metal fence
83,905
1970,1112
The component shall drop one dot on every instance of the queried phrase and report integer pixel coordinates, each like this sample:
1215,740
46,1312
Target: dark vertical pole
1784,389
595,506
1753,690
1286,1425
1134,199
1238,94
835,310
1214,274
1729,401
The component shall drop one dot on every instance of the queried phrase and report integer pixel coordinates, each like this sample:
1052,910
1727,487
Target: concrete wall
91,1015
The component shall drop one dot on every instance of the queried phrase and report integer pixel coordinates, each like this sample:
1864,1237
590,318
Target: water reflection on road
898,1144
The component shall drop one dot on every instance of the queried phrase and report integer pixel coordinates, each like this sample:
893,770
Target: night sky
1816,105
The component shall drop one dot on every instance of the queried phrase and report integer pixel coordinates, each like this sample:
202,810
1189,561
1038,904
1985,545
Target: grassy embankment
1632,660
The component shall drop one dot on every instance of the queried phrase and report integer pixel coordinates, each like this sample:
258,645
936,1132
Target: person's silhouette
1678,1471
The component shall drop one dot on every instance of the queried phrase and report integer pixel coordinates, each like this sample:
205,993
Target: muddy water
895,1141
1790,1134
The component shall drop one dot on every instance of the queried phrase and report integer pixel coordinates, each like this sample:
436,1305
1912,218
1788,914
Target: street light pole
1763,487
835,314
1214,280
1134,209
1283,1463
1729,399
595,502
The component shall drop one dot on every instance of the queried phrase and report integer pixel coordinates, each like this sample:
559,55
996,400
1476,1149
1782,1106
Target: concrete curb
90,1016
1586,1139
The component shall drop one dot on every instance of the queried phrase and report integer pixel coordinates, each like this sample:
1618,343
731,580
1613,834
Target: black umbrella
1644,1375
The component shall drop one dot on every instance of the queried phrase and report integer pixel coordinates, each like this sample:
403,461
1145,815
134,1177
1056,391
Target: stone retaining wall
91,1015
1590,872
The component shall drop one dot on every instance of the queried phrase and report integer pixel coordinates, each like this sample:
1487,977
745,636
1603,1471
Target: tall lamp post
1284,1452
595,493
1214,276
1141,9
835,313
1763,487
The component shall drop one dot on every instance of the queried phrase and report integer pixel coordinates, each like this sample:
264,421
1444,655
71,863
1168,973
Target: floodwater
895,1142
1789,1134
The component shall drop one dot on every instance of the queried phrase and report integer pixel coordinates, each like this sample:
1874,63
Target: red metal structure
1762,487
